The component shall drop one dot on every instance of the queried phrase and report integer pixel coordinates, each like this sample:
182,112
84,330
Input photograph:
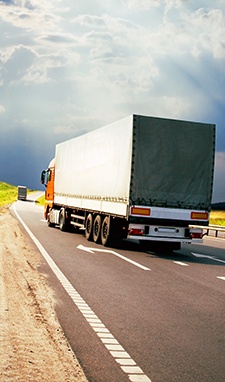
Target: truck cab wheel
97,229
49,223
89,227
62,220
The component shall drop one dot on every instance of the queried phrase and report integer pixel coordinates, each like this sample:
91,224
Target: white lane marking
221,278
181,263
207,257
138,378
91,250
135,375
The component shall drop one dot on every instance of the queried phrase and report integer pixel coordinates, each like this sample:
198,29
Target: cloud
34,15
209,26
68,67
2,109
56,38
138,5
7,2
25,65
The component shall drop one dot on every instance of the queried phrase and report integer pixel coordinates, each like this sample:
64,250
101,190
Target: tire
62,220
89,227
49,222
97,229
105,231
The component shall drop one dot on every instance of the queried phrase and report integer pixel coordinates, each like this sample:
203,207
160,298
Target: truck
142,178
22,193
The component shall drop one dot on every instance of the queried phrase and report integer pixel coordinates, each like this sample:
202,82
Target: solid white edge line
101,332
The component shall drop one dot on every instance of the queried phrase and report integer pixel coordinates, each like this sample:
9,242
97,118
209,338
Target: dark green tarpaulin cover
172,163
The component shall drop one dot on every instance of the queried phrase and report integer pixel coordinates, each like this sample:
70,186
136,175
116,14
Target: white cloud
175,106
142,4
210,29
64,129
53,39
34,15
199,32
2,109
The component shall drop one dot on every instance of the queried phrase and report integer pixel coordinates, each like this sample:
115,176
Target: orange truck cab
47,178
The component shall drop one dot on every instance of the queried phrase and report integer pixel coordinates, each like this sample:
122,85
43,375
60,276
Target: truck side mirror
43,177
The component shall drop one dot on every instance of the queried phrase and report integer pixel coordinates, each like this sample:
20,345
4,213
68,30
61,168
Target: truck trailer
143,178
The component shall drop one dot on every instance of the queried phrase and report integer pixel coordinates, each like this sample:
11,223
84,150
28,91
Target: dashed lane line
181,263
123,359
208,257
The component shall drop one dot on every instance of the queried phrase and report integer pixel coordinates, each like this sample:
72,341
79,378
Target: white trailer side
93,171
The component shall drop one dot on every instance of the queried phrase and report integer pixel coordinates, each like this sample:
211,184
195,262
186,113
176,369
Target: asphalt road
131,315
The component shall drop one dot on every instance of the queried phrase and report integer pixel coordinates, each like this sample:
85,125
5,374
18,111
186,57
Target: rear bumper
164,233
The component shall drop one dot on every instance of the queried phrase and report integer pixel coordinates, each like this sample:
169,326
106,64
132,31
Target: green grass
41,200
9,193
217,218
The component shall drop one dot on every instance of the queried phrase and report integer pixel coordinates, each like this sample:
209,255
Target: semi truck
22,193
143,178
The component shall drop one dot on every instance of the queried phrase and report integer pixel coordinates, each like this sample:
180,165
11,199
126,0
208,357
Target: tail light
199,215
196,235
140,211
136,231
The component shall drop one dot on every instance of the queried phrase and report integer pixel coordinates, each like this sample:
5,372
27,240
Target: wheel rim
88,230
97,228
88,226
105,231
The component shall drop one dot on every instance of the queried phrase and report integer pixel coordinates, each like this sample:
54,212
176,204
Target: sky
69,66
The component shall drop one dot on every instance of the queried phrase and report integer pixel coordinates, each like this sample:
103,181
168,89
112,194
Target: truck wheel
105,231
89,227
62,220
97,229
49,222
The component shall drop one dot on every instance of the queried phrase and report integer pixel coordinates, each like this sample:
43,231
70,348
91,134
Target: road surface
131,315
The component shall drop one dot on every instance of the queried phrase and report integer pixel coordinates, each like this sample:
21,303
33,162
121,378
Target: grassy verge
41,200
9,193
217,218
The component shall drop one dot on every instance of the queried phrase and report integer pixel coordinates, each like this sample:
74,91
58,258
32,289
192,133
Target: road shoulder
33,345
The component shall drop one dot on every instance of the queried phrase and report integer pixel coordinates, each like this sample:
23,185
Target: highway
132,315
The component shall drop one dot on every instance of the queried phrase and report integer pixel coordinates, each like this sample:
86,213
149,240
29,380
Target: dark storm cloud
23,155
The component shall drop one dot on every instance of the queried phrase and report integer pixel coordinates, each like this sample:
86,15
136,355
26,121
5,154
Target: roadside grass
41,200
9,193
217,217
